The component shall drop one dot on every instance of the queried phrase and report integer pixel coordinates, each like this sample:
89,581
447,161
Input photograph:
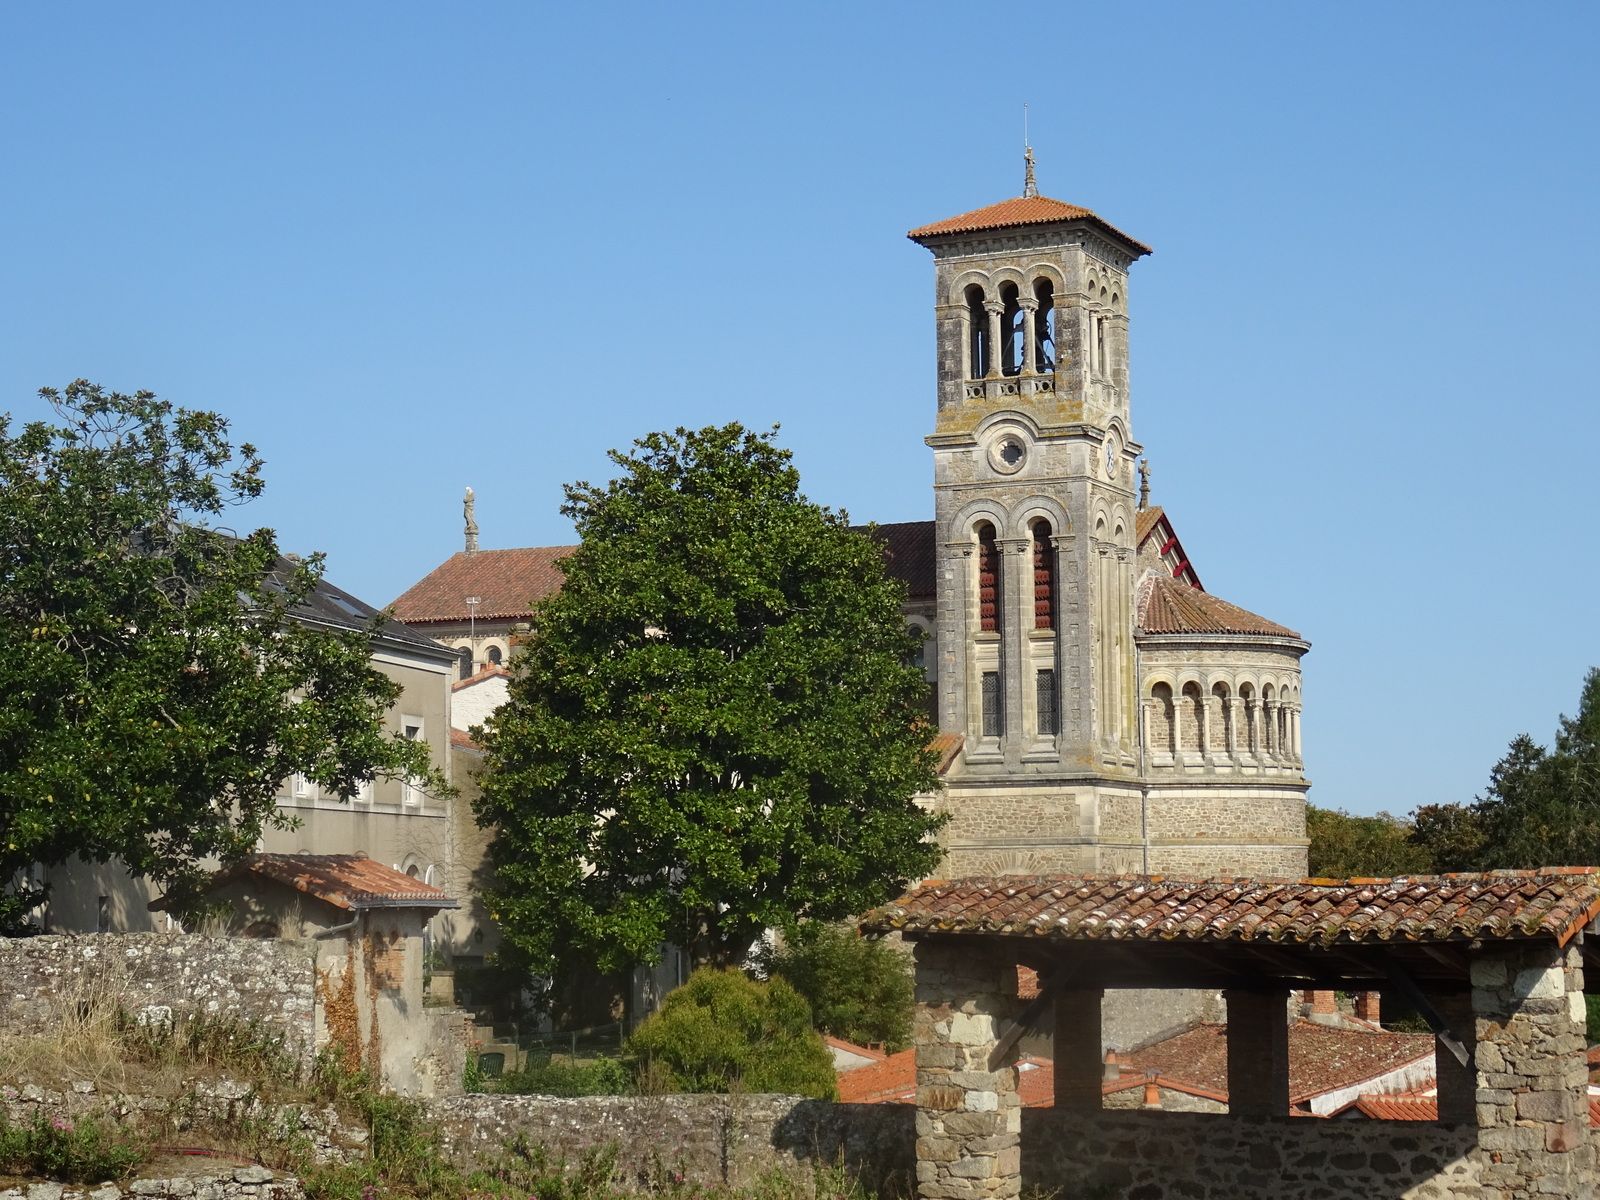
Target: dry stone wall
161,977
244,1183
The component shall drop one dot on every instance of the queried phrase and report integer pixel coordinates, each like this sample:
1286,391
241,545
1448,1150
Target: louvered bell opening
988,580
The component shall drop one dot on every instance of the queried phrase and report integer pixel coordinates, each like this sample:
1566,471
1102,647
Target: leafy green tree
1542,805
155,687
722,1031
859,989
714,726
1344,845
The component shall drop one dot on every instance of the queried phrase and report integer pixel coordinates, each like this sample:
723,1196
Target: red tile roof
1020,210
1322,1058
1407,1107
484,675
461,739
883,1082
875,1053
1168,605
1550,902
1144,523
348,881
507,583
947,746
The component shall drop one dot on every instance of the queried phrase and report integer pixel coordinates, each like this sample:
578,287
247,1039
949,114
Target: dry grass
88,1036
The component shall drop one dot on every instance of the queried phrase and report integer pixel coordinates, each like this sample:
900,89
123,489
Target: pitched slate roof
1020,210
507,582
331,605
1321,1058
909,554
1168,605
347,881
1550,902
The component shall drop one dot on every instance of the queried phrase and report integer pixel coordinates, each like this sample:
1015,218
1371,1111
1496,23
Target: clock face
1112,452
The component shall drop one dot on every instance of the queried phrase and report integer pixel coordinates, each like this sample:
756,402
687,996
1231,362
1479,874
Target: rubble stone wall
1157,1156
161,977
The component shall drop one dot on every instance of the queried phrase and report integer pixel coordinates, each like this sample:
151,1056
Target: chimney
1152,1091
1113,1068
1320,1006
1367,1006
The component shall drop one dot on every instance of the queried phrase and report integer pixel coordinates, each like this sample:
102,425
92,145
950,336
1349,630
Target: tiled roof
1322,1058
947,746
483,676
1144,523
885,1081
507,582
462,740
1425,1108
330,605
1020,210
1550,902
875,1053
909,554
1168,605
348,881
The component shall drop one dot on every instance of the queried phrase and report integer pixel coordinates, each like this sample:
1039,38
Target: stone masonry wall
1179,1156
159,976
707,1139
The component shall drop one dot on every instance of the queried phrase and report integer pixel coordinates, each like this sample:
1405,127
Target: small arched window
1044,326
988,580
1044,577
1012,330
492,656
464,655
977,334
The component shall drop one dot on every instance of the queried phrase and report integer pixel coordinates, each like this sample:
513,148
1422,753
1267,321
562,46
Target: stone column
1208,745
1532,1094
969,1118
1269,729
1252,727
1076,1046
1235,709
1258,1053
1030,316
995,310
1016,622
1147,706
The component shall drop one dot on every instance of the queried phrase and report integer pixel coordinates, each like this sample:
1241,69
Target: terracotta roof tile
1322,1058
462,740
1550,902
348,881
1409,1107
947,746
1144,523
483,676
1168,605
883,1082
1020,210
875,1053
508,582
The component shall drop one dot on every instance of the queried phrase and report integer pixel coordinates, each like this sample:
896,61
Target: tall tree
155,687
714,726
1344,845
1542,805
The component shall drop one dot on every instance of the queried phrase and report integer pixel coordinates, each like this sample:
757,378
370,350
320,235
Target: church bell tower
1034,492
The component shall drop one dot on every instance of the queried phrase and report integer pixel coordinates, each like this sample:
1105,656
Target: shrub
722,1031
859,989
597,1077
57,1148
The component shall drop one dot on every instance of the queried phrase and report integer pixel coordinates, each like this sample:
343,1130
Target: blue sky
406,249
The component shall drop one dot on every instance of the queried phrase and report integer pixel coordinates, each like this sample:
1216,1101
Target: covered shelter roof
1161,931
352,882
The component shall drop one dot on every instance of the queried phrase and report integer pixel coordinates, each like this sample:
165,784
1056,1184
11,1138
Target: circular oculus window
1007,454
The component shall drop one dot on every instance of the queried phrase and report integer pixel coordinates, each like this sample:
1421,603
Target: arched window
492,656
1012,327
464,654
1044,577
977,334
989,598
1161,722
1191,726
1223,732
1044,326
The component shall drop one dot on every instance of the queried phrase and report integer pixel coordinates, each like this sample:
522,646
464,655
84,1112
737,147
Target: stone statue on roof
469,508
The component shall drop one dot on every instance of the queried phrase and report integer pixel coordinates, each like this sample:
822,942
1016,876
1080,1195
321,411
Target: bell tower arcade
1034,491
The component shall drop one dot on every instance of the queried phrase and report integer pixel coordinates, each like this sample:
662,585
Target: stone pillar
1369,1008
995,310
1458,1084
969,1118
1320,1006
1532,1101
1269,729
1252,714
1030,317
1016,623
1258,1053
1076,1047
1235,708
1208,748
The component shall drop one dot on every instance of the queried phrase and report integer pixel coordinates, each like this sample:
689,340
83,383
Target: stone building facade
1107,713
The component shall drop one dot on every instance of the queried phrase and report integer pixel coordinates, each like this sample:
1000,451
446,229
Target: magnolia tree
714,726
156,688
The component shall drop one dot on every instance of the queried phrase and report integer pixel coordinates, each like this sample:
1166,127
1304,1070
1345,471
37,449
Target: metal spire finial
469,510
1144,484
